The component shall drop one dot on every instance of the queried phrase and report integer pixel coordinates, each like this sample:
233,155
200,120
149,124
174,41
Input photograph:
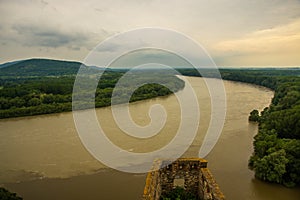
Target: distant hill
39,67
47,67
9,63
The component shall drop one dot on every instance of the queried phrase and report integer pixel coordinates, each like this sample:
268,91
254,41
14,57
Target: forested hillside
39,67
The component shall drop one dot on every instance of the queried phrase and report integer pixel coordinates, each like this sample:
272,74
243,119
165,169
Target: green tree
254,116
271,167
34,102
48,98
17,102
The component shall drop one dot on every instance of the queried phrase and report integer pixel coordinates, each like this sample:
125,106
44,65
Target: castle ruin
191,174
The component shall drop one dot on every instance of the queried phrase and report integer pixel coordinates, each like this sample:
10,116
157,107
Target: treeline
44,95
276,156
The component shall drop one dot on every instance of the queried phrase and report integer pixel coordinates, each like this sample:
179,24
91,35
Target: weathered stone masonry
190,173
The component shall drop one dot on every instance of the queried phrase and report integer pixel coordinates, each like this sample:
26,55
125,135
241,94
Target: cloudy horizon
235,33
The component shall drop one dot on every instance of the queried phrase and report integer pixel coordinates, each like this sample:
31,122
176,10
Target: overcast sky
234,32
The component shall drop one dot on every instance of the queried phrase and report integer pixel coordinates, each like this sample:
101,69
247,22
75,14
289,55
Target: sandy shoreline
103,185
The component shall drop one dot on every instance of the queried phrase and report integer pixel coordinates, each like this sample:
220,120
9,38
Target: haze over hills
47,67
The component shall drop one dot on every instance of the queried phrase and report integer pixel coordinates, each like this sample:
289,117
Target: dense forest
276,156
40,86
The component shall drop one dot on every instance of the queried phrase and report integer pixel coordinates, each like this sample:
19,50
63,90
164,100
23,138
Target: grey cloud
32,35
121,44
99,10
111,47
44,2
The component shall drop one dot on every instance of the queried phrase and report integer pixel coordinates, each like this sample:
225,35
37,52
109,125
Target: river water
42,156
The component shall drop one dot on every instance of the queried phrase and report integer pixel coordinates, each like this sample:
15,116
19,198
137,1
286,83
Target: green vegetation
254,116
39,67
276,156
34,89
6,195
178,193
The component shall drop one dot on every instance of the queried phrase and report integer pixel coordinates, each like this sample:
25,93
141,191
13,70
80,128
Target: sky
233,32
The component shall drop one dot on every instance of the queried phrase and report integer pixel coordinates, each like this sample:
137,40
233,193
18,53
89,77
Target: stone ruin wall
192,173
